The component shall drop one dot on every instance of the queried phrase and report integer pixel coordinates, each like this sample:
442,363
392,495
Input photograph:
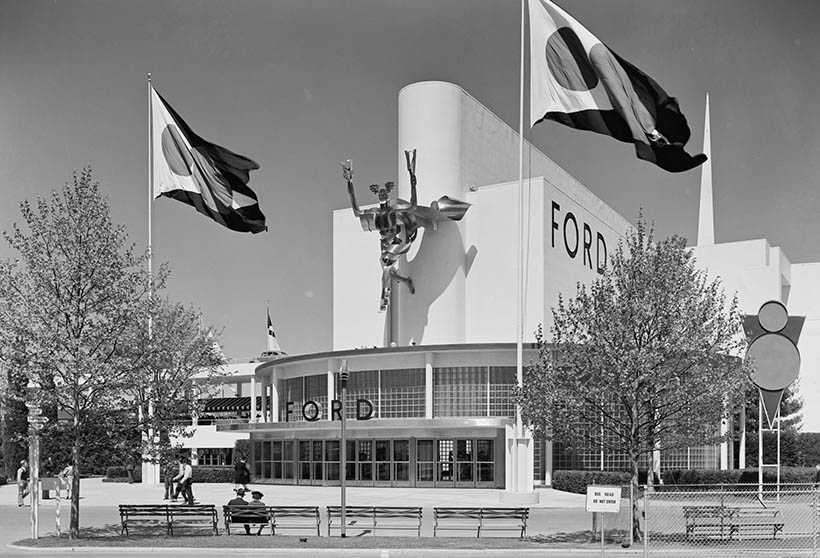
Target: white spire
706,215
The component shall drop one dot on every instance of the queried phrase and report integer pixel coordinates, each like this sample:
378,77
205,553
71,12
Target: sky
299,85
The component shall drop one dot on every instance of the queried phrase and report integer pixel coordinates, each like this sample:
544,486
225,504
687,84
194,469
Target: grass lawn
105,537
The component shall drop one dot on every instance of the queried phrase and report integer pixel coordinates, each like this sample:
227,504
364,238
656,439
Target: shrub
3,480
213,474
577,481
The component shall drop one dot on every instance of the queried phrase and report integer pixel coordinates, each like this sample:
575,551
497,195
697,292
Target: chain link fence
732,520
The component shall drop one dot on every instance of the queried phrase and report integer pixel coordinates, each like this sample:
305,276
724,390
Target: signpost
343,375
603,499
36,422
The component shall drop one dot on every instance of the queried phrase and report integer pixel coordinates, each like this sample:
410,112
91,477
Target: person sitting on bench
240,501
257,502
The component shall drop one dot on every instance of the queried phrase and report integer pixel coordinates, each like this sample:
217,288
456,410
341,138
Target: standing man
130,466
22,482
168,471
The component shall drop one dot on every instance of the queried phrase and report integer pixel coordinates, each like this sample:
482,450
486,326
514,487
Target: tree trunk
74,526
635,534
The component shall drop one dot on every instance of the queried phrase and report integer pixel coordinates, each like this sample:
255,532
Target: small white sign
606,499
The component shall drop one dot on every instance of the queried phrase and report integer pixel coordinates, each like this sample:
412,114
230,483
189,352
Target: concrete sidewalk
94,492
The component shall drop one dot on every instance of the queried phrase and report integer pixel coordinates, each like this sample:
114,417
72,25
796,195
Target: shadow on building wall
439,262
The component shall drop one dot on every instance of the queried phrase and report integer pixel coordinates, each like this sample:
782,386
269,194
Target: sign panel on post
604,499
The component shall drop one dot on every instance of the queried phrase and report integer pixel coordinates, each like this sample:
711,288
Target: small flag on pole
204,175
273,343
578,81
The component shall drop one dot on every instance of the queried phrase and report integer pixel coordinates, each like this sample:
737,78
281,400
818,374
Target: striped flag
204,175
578,81
273,343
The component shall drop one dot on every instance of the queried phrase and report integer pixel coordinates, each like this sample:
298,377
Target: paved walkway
556,512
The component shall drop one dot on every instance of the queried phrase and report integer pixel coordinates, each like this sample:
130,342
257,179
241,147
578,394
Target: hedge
788,475
118,473
201,474
3,480
213,474
577,481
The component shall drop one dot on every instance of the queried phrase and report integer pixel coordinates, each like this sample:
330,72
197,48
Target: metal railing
741,520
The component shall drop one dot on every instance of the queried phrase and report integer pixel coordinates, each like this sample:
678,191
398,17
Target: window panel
424,450
460,391
332,450
484,450
401,450
402,393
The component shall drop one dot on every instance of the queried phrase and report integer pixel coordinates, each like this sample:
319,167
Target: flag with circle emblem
578,81
201,174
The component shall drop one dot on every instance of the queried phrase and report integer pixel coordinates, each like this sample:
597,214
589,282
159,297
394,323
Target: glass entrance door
425,463
445,467
401,462
465,463
383,473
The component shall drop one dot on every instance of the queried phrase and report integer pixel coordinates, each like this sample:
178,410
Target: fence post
646,524
814,522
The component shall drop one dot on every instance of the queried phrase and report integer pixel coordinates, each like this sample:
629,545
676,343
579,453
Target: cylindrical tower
430,121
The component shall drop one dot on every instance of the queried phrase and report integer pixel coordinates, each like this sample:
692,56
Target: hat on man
240,491
256,494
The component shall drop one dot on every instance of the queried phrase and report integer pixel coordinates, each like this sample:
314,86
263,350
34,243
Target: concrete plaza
556,512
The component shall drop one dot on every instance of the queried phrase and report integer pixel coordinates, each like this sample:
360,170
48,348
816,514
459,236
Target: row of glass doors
459,462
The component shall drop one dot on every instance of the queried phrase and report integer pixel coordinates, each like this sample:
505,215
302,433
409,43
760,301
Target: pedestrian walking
22,482
66,477
184,480
241,474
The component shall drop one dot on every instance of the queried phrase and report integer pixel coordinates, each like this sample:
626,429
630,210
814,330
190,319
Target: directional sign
605,499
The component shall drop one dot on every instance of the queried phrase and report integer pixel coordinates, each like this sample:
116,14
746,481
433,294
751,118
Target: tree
791,412
13,413
641,358
165,364
69,299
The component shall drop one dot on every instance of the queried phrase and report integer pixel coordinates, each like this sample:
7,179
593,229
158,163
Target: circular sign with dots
774,357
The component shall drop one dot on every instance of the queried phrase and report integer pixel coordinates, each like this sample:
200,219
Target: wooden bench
245,515
486,519
353,514
725,522
754,522
152,515
294,517
391,518
709,521
196,515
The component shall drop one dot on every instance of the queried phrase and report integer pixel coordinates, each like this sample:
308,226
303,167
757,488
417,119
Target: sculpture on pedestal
398,222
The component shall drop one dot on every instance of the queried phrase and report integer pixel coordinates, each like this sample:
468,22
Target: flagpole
151,472
519,326
150,194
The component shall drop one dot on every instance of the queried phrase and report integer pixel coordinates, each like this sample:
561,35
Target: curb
285,552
